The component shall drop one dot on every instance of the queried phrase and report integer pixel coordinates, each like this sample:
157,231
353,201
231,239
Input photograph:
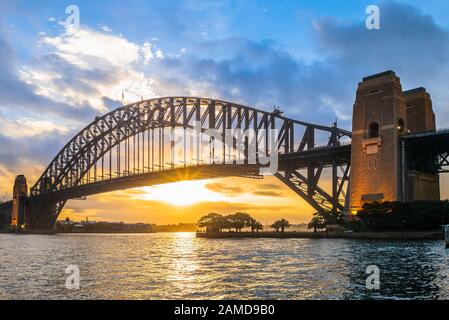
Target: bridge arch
79,168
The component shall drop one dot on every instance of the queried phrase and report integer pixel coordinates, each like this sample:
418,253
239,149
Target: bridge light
400,125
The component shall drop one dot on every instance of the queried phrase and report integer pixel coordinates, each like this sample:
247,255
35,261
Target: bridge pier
42,214
381,163
19,214
25,214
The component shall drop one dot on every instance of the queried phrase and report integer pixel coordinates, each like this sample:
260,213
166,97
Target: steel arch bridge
128,148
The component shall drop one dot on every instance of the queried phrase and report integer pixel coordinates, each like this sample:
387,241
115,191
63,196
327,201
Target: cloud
106,29
261,190
24,96
261,73
93,67
27,127
253,73
268,190
267,193
18,153
44,103
224,188
409,42
85,48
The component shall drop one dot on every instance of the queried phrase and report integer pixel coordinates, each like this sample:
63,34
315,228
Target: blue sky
261,42
177,23
304,56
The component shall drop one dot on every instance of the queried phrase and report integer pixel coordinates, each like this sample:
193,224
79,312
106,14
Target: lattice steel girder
314,162
427,151
313,194
106,132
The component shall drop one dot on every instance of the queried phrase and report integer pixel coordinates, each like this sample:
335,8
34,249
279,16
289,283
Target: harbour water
180,266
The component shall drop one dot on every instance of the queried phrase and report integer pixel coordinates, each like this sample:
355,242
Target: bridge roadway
428,151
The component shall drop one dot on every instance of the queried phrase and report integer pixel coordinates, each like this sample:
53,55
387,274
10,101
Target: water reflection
179,266
182,271
408,270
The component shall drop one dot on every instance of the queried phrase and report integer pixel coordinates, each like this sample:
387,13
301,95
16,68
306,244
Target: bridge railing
426,133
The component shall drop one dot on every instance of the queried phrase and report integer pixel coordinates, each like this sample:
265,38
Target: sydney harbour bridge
128,148
133,146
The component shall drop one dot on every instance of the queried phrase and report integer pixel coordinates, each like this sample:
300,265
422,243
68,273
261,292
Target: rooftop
416,90
379,75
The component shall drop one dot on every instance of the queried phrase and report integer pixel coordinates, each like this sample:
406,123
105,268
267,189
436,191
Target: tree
280,224
410,216
316,223
255,225
213,222
239,220
284,224
226,223
323,218
276,226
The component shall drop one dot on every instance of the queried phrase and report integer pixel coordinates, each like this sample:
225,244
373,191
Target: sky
304,56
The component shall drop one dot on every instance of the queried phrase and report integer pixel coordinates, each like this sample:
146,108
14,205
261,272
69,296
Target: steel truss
131,141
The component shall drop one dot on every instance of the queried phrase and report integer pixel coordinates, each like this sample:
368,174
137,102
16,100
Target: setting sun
184,193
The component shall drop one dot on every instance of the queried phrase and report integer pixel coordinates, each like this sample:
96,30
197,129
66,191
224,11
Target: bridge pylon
19,217
380,163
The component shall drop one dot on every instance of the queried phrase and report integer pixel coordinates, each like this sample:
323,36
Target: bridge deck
297,160
322,155
154,178
438,141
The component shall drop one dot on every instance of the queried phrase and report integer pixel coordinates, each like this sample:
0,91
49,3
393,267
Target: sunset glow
182,193
231,159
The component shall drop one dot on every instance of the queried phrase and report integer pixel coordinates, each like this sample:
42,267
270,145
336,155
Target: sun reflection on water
184,259
180,266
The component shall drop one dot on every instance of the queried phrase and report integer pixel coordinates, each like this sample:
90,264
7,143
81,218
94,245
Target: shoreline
394,235
54,232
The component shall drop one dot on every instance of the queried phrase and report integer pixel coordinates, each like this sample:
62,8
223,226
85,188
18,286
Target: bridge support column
381,163
379,119
420,184
43,215
19,216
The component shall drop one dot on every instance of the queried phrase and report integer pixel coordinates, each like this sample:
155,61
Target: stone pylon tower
18,209
420,118
379,119
420,115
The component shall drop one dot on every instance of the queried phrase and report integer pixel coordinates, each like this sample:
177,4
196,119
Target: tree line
214,222
402,216
376,217
388,216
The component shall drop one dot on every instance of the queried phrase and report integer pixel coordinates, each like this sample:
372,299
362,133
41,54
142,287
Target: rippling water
179,266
